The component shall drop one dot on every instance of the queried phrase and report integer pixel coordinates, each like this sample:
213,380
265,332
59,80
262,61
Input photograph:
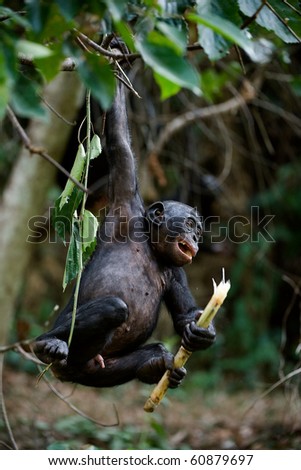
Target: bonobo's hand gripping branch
219,294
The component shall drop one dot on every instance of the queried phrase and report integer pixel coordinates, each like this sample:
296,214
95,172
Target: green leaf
296,86
73,259
126,34
69,8
61,219
4,86
89,231
167,87
25,99
167,63
214,46
97,75
95,147
269,20
177,36
12,18
116,8
32,50
50,66
9,65
77,172
212,83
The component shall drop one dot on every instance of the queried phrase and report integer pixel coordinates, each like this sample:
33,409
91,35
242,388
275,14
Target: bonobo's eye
198,232
190,224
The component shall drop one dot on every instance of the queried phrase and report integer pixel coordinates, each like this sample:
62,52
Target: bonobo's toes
51,350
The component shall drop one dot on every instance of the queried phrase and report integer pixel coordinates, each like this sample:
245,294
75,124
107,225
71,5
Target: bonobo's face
175,229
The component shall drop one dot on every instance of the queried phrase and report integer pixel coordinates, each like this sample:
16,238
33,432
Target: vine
82,226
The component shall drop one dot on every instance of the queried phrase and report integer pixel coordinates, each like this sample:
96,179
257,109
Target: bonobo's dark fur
137,264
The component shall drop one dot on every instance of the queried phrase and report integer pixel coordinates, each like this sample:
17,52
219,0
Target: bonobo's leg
147,363
95,322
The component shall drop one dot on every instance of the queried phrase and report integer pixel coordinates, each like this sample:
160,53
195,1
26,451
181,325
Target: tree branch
116,55
38,151
247,93
68,65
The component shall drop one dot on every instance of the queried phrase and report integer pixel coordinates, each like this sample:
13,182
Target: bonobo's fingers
51,350
176,376
196,338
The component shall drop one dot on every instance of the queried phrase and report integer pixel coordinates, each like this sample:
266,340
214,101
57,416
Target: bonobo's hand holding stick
219,294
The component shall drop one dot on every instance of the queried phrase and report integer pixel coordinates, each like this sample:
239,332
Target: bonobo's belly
131,273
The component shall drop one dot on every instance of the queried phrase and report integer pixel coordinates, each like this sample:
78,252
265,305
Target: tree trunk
26,190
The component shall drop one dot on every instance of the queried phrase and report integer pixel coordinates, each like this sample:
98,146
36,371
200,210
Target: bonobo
137,264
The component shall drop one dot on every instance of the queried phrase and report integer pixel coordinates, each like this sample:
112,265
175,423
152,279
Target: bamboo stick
219,294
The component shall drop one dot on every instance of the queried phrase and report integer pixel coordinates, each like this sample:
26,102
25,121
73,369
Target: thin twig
272,9
247,94
105,52
83,207
12,15
252,18
289,117
3,407
292,7
77,410
274,386
38,151
68,64
13,346
54,111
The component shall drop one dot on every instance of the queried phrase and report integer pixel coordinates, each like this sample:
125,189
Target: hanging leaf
95,147
61,219
89,231
77,172
73,259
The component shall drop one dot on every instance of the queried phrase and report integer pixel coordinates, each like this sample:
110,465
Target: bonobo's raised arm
123,179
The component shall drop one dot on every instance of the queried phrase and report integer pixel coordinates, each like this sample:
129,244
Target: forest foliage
47,33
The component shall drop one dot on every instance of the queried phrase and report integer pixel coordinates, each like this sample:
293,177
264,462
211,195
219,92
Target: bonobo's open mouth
187,249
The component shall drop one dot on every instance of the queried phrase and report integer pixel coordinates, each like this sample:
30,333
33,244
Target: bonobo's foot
153,368
94,323
51,350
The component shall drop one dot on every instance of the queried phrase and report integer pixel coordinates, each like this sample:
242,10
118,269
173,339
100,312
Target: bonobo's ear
155,213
